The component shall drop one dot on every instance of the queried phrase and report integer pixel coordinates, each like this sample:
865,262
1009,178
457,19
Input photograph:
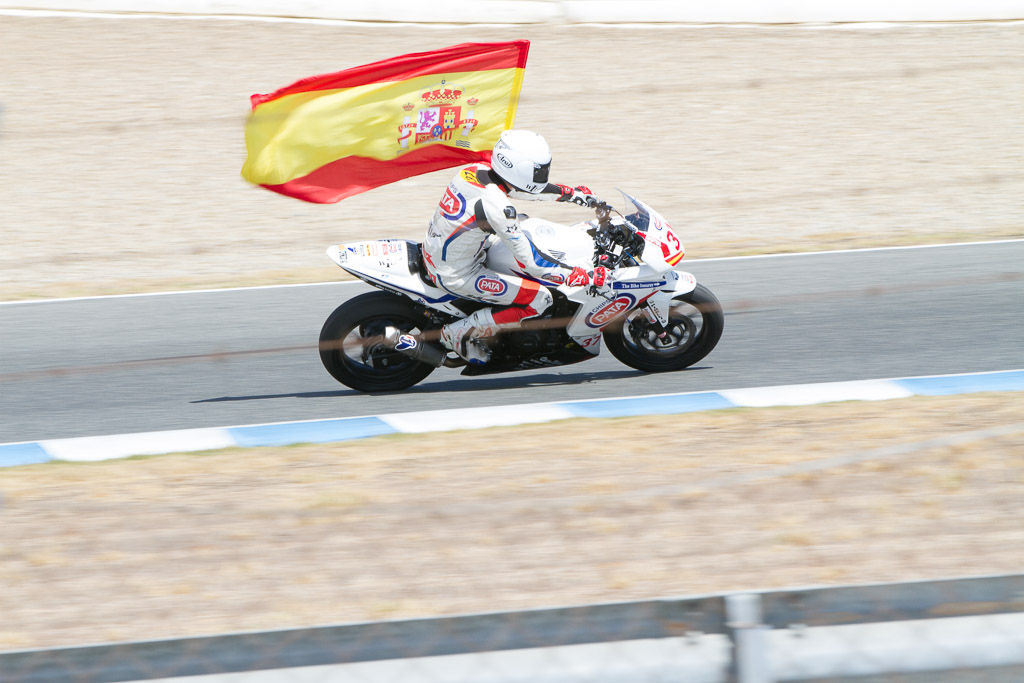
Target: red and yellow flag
328,137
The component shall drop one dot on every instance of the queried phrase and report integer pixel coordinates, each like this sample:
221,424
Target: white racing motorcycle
656,319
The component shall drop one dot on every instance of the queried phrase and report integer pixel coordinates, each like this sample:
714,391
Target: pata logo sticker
490,285
453,204
611,310
504,161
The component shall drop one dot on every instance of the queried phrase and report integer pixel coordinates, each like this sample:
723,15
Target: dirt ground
121,141
404,526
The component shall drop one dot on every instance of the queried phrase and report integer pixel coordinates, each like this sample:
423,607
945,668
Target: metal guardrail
746,618
907,601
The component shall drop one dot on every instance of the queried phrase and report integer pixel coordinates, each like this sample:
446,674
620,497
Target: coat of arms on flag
328,137
438,116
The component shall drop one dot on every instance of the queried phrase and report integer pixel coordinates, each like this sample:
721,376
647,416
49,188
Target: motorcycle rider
473,215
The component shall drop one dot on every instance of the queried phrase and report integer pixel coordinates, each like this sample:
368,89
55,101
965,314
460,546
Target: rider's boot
462,336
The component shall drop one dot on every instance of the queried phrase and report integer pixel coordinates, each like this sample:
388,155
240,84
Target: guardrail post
749,639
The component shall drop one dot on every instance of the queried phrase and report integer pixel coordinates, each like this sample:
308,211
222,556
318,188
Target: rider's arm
502,219
559,193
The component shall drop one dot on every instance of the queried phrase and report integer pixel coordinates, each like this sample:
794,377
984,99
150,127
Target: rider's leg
530,301
462,336
518,299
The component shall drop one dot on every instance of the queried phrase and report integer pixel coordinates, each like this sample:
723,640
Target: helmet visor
540,172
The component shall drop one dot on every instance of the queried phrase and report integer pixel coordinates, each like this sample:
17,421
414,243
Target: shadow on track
457,385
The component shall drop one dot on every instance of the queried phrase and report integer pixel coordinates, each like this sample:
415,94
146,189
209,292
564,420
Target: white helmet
522,159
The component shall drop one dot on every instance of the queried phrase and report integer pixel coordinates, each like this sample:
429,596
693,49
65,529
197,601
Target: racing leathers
474,214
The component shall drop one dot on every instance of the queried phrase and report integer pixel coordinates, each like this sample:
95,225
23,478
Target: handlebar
609,234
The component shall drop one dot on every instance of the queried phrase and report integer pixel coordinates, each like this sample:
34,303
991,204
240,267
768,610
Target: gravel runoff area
410,525
121,141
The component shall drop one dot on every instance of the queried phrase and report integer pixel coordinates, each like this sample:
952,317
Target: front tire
352,348
694,327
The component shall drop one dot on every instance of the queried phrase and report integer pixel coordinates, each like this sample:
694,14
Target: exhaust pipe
417,349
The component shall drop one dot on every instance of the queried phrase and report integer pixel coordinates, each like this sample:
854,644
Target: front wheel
694,327
352,347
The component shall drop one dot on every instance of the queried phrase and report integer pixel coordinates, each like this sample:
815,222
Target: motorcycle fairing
567,244
662,248
385,264
571,353
596,313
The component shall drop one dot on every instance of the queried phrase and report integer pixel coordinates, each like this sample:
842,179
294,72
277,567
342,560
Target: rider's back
454,243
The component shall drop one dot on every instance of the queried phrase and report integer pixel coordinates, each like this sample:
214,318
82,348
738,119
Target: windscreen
636,213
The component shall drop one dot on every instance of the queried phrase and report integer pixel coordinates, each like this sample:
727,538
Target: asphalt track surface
208,359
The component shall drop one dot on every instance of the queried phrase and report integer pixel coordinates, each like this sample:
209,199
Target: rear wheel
352,347
694,327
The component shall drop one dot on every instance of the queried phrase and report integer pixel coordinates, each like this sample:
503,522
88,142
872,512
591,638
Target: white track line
816,26
175,292
357,282
850,382
854,251
78,14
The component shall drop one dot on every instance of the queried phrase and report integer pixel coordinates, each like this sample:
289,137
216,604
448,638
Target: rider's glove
580,195
599,279
578,277
602,278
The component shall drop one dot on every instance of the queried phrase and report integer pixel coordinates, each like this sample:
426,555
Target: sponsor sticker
453,204
637,285
490,285
557,278
610,311
503,160
654,309
405,342
373,249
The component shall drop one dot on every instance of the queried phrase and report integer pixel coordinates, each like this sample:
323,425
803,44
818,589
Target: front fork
657,307
656,310
654,322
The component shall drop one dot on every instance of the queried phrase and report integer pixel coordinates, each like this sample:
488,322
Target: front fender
678,282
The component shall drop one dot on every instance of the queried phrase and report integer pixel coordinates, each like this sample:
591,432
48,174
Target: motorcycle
655,319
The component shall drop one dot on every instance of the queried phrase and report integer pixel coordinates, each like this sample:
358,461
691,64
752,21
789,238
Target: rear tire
352,349
695,325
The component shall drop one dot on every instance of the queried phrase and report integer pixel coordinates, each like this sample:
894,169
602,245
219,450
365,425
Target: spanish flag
328,137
